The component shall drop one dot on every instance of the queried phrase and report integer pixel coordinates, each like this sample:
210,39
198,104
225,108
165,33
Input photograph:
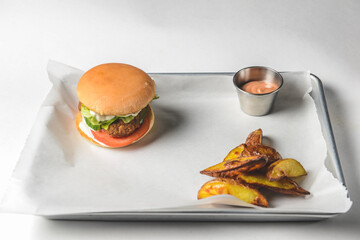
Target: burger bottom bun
79,119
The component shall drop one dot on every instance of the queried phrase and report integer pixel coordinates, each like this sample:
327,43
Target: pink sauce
259,87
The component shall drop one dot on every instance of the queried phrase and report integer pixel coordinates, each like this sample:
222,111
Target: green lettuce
96,125
143,114
92,122
126,119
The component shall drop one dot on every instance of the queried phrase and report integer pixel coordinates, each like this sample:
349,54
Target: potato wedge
254,137
229,186
260,149
285,168
245,164
235,153
285,185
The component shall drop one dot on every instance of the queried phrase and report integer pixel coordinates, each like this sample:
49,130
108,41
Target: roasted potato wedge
235,153
285,185
250,166
285,168
245,164
229,186
260,149
254,137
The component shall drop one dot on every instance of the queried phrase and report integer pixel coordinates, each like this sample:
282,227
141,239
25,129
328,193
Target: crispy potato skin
229,186
285,185
260,149
244,164
254,137
285,168
248,164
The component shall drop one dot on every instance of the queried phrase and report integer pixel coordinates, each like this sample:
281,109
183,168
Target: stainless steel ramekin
257,104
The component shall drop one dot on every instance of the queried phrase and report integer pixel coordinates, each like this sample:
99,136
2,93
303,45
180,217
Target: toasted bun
150,117
115,89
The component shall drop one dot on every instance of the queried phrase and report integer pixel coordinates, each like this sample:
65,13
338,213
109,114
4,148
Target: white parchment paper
198,121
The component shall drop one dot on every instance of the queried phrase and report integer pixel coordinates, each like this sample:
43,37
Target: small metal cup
257,104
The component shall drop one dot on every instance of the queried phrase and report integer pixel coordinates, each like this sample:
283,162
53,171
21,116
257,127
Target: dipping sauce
259,87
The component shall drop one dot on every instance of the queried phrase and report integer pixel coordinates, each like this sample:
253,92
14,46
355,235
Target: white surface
60,173
165,36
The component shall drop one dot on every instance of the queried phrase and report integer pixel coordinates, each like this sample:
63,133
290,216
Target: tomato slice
107,139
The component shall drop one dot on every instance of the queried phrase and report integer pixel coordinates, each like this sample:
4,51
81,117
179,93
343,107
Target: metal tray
229,213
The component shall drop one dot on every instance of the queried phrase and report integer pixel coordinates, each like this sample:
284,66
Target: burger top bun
115,89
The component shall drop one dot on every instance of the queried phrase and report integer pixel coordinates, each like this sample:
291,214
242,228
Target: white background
179,36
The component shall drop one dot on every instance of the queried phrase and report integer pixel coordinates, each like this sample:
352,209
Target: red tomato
107,139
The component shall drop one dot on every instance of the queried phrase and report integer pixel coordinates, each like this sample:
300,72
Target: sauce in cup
259,87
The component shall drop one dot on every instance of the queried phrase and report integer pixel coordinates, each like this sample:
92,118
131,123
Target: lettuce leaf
105,124
156,97
143,114
96,125
92,122
126,119
85,111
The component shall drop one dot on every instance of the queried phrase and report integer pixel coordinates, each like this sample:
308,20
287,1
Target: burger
114,108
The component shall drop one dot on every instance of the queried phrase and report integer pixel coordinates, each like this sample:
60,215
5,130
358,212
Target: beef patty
121,129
